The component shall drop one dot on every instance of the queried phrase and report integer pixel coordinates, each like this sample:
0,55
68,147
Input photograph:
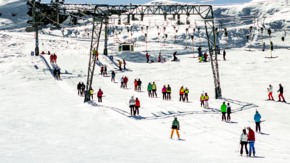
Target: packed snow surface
44,120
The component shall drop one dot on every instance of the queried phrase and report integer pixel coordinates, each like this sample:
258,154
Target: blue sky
124,2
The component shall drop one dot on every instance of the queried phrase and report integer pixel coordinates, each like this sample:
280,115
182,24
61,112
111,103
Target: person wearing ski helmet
100,95
281,90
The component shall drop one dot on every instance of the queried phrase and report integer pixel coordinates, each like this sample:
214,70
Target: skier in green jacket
175,126
149,88
224,111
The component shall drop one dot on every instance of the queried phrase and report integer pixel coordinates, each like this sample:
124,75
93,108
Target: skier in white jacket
132,103
270,90
244,142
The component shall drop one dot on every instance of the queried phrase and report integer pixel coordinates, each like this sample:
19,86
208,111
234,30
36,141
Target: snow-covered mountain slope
44,120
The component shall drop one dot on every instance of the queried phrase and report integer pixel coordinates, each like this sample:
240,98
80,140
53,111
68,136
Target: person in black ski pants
229,111
139,85
174,56
54,74
83,88
79,88
113,76
58,73
244,142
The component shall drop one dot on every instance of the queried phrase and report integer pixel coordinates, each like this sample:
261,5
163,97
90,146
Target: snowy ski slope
44,120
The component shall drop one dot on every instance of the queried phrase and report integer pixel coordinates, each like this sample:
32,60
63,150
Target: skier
135,85
202,100
137,106
224,111
122,82
125,82
257,119
54,58
251,139
105,71
168,91
54,74
124,63
100,94
272,46
244,142
113,76
174,56
281,90
159,57
92,93
120,65
102,70
200,56
270,90
139,85
58,73
51,59
205,57
206,98
164,93
229,111
224,55
264,46
79,88
149,88
181,93
186,91
83,88
175,126
154,89
219,49
132,103
147,57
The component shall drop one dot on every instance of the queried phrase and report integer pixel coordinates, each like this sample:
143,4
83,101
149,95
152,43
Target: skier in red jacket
100,95
137,106
135,85
251,139
125,81
147,57
54,58
51,59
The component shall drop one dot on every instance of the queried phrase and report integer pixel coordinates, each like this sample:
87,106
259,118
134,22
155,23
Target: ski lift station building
126,47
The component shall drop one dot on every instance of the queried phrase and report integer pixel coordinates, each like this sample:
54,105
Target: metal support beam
96,34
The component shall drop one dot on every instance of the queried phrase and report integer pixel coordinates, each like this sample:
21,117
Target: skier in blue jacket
257,119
